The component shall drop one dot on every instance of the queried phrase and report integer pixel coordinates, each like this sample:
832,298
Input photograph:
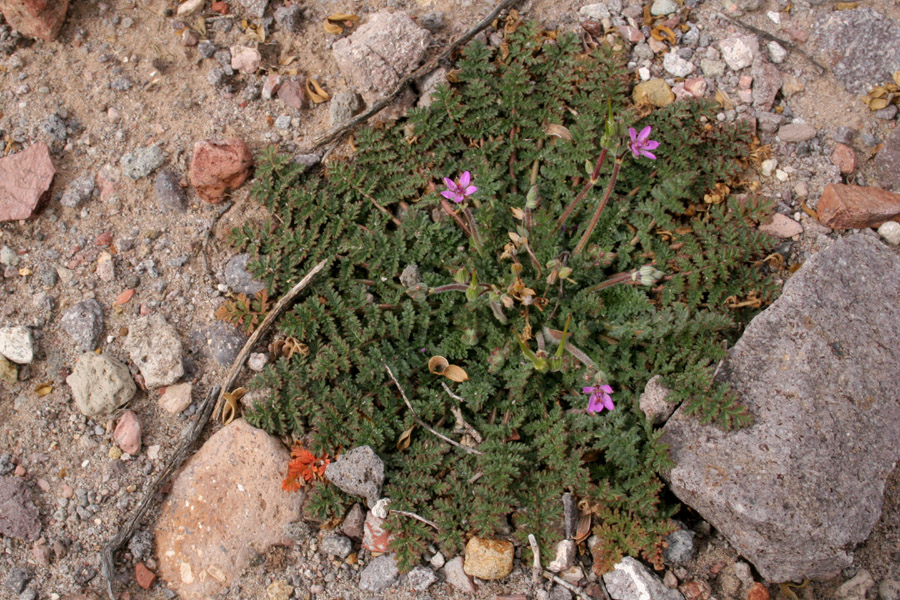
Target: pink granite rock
25,179
35,18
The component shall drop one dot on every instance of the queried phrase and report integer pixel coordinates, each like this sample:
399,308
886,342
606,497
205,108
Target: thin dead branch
431,65
276,311
188,438
423,423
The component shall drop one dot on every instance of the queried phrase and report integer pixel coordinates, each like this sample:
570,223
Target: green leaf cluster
374,216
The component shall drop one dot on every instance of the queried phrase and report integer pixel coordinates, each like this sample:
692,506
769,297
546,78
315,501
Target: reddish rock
695,590
128,433
696,86
375,537
144,576
781,226
758,592
203,545
632,34
35,18
291,93
219,166
844,158
855,207
25,179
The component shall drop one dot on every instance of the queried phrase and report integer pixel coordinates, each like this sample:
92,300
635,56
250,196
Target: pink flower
460,189
640,145
599,399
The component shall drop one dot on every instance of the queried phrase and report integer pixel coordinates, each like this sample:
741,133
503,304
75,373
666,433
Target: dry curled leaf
332,28
583,529
405,439
438,365
559,131
44,388
230,410
315,91
846,5
287,347
663,33
336,23
723,100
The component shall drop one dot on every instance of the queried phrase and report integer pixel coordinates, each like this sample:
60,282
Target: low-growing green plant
543,283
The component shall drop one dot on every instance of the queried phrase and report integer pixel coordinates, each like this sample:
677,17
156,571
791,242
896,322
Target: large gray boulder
795,492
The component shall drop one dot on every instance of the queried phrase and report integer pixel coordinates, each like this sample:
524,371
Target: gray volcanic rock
861,45
797,490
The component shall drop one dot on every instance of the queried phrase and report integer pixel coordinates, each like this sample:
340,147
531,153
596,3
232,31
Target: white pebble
644,73
781,175
768,166
775,17
890,231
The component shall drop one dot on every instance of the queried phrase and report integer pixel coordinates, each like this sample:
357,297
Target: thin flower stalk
590,229
474,235
591,183
618,278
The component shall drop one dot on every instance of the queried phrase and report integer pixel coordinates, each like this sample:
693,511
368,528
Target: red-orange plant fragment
304,467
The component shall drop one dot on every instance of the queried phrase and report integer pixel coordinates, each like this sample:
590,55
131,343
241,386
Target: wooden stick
422,71
775,38
417,517
536,566
263,327
423,423
188,437
572,588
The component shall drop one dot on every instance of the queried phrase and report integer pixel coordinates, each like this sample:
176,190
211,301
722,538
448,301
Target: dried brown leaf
332,28
559,131
405,439
43,389
315,91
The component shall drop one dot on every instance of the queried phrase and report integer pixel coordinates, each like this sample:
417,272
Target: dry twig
423,423
188,437
574,589
276,311
431,65
536,566
774,38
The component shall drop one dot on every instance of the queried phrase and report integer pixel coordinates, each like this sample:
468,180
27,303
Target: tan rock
176,398
488,559
654,92
854,206
225,507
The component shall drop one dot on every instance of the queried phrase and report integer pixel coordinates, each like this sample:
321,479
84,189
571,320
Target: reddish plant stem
627,277
449,210
591,182
609,188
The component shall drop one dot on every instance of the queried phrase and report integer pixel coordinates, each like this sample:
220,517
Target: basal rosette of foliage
373,216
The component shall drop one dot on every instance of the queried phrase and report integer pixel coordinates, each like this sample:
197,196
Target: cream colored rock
488,559
100,384
176,398
225,507
655,92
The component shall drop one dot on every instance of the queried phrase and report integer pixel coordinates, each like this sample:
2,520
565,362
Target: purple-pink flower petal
649,155
651,145
644,134
464,179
